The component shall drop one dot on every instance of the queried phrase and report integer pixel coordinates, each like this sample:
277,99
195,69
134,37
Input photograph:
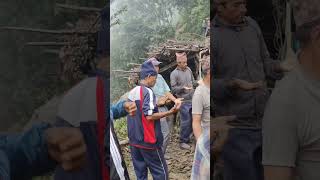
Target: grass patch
120,126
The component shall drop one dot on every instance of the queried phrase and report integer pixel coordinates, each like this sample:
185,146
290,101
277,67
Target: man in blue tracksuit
145,136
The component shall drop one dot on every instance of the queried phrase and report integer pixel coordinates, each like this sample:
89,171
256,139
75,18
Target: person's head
307,19
205,66
148,74
182,60
155,63
231,11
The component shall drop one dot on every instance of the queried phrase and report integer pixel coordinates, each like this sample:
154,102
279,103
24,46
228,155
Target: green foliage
143,24
192,16
121,128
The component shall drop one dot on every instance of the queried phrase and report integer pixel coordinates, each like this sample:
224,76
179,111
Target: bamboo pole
79,8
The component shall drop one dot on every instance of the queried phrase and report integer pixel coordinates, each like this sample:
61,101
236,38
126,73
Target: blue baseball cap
147,69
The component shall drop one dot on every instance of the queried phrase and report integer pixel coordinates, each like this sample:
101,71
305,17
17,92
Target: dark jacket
239,51
142,132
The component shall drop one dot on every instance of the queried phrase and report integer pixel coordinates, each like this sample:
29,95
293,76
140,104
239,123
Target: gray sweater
178,80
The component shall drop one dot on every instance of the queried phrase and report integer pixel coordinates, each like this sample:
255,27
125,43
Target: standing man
162,92
201,125
291,139
242,65
144,131
182,80
201,102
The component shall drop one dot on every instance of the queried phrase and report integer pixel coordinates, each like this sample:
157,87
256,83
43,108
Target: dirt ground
179,161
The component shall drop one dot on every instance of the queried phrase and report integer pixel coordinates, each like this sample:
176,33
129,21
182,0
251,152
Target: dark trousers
242,155
185,122
4,166
153,159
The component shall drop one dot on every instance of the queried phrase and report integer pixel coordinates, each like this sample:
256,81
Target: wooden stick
133,64
46,44
52,51
123,71
182,49
48,31
79,8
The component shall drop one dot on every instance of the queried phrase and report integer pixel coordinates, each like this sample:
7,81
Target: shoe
185,146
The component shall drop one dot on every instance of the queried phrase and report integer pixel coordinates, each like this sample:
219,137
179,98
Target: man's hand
162,100
178,102
289,63
244,85
174,109
130,107
219,130
66,146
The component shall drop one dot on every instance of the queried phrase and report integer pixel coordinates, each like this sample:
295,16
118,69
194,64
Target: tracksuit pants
144,159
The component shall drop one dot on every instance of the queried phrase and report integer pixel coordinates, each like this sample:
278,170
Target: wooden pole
78,8
46,44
